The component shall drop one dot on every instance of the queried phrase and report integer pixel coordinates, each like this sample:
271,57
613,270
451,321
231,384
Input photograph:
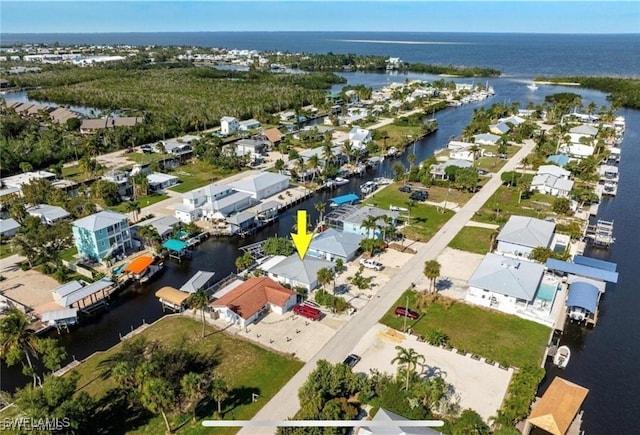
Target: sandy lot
30,288
476,384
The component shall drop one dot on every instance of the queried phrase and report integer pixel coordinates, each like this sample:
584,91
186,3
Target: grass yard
398,135
473,239
440,194
198,174
6,250
424,220
144,201
510,340
504,203
145,159
245,367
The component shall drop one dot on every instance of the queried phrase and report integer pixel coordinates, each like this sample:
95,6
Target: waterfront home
262,185
102,234
467,154
159,182
92,125
174,148
333,244
439,170
521,234
558,410
513,119
507,284
456,145
164,225
295,272
241,223
48,214
214,201
18,180
552,180
61,115
359,137
249,124
287,116
8,227
349,219
584,130
271,135
121,179
486,139
201,280
229,125
499,128
250,147
248,302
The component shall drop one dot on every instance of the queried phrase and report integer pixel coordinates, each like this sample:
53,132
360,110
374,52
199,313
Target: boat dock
600,234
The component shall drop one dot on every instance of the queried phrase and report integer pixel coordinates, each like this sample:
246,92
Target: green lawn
6,250
69,254
441,194
398,135
246,368
473,239
144,201
510,340
424,220
504,203
198,174
144,159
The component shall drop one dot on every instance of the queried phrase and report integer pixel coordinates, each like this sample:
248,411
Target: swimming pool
117,270
546,292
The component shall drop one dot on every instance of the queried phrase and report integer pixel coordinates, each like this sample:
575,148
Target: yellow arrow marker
302,240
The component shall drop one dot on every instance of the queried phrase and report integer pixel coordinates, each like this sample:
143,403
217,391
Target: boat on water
339,181
368,187
561,358
532,86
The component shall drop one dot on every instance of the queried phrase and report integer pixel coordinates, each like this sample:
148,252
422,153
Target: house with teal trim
104,234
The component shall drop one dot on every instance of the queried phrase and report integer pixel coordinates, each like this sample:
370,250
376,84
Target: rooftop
336,242
197,281
508,276
527,231
100,220
259,182
303,271
248,298
558,406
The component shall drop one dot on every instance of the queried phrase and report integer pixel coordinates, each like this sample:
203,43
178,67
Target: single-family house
584,129
164,225
229,125
552,185
8,227
359,137
16,181
287,116
486,139
48,214
393,428
249,124
121,179
250,147
555,412
521,234
174,148
350,219
500,128
513,119
504,283
295,272
262,185
468,154
438,170
333,244
159,182
253,299
213,201
102,234
272,135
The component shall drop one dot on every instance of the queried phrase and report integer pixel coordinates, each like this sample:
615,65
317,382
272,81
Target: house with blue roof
101,235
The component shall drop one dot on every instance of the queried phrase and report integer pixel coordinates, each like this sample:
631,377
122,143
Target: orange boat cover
139,264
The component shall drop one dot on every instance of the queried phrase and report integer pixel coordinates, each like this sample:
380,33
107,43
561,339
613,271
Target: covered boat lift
172,299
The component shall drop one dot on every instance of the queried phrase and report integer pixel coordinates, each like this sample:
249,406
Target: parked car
371,264
406,188
419,195
482,171
406,312
351,360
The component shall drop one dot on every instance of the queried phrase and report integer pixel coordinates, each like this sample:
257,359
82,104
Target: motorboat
532,86
561,358
339,181
368,187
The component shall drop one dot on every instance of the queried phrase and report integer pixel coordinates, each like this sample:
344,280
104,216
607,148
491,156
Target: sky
93,16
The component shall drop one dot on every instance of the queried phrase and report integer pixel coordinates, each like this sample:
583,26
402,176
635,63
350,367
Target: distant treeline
623,92
342,62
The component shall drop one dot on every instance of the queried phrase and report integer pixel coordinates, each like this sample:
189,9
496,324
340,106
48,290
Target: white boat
532,86
368,187
561,358
339,181
152,270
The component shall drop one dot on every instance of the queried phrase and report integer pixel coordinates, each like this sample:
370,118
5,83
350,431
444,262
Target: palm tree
432,272
198,301
140,185
133,207
347,149
157,396
327,156
387,225
325,275
320,208
194,387
18,341
313,164
410,359
370,223
219,392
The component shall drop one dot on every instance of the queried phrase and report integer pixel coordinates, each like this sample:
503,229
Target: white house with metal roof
211,202
229,125
486,139
8,227
505,284
164,225
359,137
521,234
584,130
48,214
102,234
262,185
158,181
295,272
333,244
552,180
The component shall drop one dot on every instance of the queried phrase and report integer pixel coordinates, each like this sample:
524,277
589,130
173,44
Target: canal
603,360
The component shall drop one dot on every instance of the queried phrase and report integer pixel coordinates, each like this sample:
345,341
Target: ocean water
513,54
605,360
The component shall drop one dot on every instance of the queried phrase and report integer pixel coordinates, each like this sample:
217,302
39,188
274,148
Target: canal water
603,360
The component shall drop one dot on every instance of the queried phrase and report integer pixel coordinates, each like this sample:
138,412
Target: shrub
436,337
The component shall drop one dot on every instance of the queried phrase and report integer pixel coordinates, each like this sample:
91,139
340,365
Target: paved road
285,403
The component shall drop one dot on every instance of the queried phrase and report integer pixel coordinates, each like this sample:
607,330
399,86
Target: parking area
27,288
476,384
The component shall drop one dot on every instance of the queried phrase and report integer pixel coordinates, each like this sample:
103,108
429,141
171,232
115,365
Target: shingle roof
273,135
508,276
527,231
305,272
100,220
249,297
